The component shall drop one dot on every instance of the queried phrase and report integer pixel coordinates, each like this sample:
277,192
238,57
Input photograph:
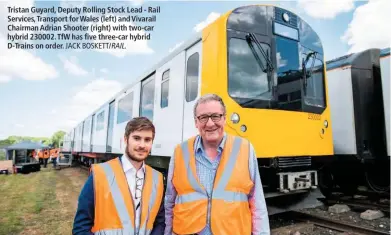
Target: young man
213,183
124,195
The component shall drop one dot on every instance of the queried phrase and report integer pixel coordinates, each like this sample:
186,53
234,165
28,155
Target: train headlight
243,128
326,123
285,16
235,118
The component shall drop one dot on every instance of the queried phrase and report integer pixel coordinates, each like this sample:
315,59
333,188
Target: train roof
340,61
350,59
385,52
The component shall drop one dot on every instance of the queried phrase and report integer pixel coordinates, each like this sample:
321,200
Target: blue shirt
206,171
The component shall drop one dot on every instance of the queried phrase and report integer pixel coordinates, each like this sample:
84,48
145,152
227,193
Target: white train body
102,131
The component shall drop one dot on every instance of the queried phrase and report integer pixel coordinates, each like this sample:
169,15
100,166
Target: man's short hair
139,124
206,98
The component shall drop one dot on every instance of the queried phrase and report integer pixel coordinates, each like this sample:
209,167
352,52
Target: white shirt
130,172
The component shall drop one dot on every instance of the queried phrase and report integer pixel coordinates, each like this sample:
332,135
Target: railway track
358,204
328,223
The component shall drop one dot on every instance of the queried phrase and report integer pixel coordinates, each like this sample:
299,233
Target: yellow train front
268,65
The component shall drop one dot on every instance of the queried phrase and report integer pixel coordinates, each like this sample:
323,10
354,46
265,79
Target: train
261,60
359,96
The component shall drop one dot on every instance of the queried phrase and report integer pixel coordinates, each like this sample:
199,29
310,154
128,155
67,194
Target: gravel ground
280,226
302,229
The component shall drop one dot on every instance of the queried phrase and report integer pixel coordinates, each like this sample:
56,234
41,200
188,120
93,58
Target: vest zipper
211,194
134,208
141,205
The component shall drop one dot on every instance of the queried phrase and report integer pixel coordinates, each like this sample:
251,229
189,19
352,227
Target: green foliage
2,155
57,137
54,140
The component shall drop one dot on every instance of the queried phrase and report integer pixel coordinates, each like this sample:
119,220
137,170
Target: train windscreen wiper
305,61
269,65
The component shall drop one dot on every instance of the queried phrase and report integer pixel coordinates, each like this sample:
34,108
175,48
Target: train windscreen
274,63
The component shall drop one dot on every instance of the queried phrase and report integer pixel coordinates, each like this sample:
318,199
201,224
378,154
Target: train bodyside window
192,77
164,89
147,98
100,121
125,108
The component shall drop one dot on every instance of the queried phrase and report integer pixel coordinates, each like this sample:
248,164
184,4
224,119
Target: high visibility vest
229,206
46,154
54,152
114,206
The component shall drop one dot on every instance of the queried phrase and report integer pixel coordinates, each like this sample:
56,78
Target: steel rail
333,224
360,204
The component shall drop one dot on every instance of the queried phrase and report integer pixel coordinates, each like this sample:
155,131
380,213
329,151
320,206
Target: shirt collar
200,147
127,165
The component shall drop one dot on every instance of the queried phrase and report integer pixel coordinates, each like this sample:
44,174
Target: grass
40,203
2,155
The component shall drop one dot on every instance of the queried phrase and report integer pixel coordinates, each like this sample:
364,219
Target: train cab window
314,94
100,119
164,89
248,83
147,98
192,77
125,108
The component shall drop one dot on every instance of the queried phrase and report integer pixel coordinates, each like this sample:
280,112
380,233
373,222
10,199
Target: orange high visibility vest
46,154
114,207
230,212
54,152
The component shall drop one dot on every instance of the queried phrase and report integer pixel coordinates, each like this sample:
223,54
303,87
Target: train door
73,140
110,127
92,131
192,87
169,105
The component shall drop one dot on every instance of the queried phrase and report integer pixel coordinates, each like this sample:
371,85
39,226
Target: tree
54,141
57,137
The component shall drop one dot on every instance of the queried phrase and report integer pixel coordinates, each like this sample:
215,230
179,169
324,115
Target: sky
43,91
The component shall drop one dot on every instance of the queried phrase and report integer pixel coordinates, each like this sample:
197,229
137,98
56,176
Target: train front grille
289,162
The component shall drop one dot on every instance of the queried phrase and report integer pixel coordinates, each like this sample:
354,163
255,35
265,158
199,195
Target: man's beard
133,158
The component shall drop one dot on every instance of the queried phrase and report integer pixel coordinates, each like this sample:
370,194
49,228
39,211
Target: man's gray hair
206,98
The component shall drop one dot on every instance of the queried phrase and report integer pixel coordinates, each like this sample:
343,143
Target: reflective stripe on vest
152,193
118,200
192,199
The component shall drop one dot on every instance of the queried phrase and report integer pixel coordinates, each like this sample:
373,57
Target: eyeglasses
139,188
215,117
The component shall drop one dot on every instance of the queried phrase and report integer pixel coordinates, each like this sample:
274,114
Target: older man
213,183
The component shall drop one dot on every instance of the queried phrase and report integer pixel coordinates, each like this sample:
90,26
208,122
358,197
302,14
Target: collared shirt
135,181
206,170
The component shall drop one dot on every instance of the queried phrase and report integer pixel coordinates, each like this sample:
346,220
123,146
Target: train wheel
348,188
348,181
377,177
326,181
